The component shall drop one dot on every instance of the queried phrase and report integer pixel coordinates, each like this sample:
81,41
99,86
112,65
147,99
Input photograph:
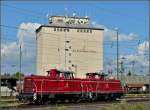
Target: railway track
73,106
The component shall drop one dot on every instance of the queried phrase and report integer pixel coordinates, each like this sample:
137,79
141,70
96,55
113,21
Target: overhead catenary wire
48,33
14,27
55,35
128,18
26,11
32,42
116,13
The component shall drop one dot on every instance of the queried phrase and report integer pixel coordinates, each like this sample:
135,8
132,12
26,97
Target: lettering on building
85,51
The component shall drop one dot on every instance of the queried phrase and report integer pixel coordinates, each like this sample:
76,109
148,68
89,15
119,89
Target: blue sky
130,17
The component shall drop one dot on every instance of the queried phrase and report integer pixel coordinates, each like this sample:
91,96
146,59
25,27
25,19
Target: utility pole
122,72
75,66
133,70
65,39
0,69
20,55
117,54
76,70
149,55
65,47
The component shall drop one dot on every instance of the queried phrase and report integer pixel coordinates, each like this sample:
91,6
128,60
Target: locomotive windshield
67,75
94,76
55,74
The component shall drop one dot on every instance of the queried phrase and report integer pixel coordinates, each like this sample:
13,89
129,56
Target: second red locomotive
61,85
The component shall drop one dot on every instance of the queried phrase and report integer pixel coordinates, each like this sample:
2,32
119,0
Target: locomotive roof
97,74
61,71
67,72
92,73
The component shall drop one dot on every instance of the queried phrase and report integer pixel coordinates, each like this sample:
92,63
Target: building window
54,29
91,31
67,41
69,68
57,29
66,50
64,30
60,20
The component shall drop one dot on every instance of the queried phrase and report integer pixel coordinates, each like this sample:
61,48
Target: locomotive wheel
106,97
112,97
53,101
38,102
62,100
78,100
94,97
67,101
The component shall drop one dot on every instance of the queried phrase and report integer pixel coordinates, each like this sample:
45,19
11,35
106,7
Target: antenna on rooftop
66,12
47,15
86,16
74,14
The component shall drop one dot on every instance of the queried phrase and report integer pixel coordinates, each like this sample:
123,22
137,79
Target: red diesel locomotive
61,85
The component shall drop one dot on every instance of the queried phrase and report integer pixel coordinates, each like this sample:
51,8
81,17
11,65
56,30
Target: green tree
17,75
129,73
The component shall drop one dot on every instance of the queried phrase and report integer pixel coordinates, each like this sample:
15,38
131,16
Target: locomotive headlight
33,90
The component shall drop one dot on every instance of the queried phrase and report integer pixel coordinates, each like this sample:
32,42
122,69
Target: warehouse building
70,44
137,83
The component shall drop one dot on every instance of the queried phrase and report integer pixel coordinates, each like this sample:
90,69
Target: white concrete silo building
71,44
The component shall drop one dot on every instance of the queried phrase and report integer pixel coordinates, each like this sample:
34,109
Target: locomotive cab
94,76
102,76
55,74
67,75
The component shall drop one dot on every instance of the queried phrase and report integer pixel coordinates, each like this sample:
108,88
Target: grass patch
136,95
8,97
61,108
128,106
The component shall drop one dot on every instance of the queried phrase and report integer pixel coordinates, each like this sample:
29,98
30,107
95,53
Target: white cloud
9,50
26,32
143,47
110,34
140,60
123,37
27,38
